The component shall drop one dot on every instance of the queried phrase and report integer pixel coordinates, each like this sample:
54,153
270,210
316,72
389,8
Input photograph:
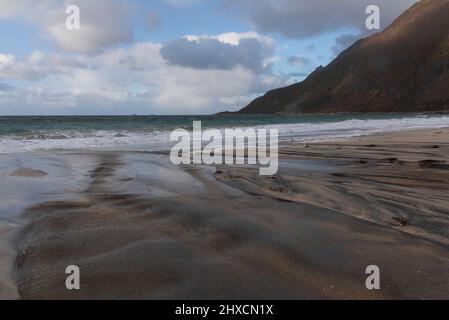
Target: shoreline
217,233
108,135
420,135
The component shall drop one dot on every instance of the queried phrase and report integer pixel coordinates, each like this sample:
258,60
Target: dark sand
145,229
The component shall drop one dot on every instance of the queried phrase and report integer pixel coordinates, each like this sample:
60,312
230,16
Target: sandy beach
140,228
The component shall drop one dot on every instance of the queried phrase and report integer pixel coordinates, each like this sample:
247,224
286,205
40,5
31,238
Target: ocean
36,133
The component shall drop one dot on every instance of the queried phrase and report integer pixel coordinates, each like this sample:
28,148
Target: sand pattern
144,229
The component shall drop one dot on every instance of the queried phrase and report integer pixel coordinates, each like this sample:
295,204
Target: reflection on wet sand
142,228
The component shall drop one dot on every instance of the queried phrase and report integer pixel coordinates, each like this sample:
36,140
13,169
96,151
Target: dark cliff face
404,68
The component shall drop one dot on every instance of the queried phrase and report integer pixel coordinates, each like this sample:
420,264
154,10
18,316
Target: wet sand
140,228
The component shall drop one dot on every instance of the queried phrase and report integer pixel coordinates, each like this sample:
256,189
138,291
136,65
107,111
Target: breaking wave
153,138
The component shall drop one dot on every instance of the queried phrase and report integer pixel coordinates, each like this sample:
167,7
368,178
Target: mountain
405,68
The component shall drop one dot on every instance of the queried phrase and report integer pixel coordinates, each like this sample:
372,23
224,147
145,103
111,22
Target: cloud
303,18
6,60
233,38
344,41
5,87
10,8
299,61
224,52
104,23
135,79
183,3
298,74
153,20
39,65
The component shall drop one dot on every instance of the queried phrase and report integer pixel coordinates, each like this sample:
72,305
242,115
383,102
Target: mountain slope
404,68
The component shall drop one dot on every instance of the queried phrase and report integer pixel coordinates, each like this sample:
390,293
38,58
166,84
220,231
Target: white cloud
6,60
233,38
126,80
39,65
104,23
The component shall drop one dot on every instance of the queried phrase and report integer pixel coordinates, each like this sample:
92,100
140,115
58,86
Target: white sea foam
355,127
153,139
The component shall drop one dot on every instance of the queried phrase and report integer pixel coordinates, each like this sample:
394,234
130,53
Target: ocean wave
81,140
357,127
154,138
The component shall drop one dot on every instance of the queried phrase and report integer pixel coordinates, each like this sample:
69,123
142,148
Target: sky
168,56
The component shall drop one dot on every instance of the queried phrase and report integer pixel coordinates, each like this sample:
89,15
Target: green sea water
31,133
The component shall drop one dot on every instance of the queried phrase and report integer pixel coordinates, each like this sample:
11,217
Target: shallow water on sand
144,228
27,179
140,227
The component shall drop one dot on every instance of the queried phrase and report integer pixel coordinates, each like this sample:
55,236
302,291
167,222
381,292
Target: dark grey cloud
210,53
305,18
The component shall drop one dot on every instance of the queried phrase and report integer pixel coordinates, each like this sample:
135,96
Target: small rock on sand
28,173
